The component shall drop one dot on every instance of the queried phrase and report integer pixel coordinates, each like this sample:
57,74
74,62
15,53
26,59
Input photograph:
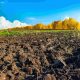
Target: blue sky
39,11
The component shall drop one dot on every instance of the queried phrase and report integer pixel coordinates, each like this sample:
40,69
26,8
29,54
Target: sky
39,11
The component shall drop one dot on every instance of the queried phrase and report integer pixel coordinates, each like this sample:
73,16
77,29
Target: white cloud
31,18
19,24
66,17
4,24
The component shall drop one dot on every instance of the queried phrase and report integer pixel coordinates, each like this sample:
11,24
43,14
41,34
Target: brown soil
41,56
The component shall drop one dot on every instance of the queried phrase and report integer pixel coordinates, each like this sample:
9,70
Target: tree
49,26
39,26
72,24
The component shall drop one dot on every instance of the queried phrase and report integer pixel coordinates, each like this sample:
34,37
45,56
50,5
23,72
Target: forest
67,24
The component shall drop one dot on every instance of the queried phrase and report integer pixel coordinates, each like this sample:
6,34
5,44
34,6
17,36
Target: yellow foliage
78,27
67,24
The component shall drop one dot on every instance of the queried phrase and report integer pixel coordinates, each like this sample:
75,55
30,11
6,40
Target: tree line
67,24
